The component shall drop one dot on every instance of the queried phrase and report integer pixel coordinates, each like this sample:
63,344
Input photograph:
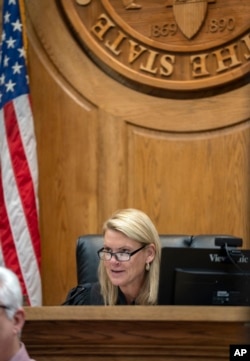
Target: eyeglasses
119,256
5,307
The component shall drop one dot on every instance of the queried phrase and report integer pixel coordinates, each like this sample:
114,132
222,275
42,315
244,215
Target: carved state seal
179,45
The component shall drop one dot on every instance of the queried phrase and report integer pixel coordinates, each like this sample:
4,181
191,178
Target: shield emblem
189,15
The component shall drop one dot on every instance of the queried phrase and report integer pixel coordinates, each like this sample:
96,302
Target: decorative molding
180,45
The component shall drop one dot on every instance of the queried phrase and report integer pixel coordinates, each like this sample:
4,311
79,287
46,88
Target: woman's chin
116,279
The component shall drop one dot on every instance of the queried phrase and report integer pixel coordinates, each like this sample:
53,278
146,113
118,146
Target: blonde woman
129,262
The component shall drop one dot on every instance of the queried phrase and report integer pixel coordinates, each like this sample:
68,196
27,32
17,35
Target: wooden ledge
125,333
140,313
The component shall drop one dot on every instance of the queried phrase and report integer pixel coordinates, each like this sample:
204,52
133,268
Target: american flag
19,227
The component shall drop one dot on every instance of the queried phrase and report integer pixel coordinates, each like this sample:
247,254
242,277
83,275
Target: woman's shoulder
84,294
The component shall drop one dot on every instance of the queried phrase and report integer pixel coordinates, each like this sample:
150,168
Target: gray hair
10,292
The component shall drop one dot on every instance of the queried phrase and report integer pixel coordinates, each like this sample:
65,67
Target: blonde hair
136,225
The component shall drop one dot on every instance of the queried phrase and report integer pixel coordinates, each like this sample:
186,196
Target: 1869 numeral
167,29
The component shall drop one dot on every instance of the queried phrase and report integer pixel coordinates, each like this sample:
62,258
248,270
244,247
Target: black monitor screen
195,276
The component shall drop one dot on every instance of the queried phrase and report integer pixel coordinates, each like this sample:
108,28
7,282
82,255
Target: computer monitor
204,276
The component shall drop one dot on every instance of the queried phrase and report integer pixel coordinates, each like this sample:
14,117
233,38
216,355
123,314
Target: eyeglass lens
119,256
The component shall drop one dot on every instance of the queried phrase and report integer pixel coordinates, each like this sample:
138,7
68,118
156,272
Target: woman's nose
114,258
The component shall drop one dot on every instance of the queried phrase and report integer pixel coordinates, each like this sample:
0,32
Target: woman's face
128,275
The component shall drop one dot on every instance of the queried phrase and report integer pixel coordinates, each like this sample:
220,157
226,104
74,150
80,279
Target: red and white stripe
19,230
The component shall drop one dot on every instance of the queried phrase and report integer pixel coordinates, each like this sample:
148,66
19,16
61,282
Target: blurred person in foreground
12,318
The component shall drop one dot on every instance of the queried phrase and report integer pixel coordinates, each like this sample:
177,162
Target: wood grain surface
134,333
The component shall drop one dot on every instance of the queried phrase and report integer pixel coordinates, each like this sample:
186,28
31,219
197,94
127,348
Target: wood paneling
103,146
190,172
129,333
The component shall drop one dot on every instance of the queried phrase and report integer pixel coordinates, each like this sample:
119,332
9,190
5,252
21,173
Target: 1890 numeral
219,25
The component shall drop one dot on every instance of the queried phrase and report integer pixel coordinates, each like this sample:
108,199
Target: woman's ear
150,252
18,321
